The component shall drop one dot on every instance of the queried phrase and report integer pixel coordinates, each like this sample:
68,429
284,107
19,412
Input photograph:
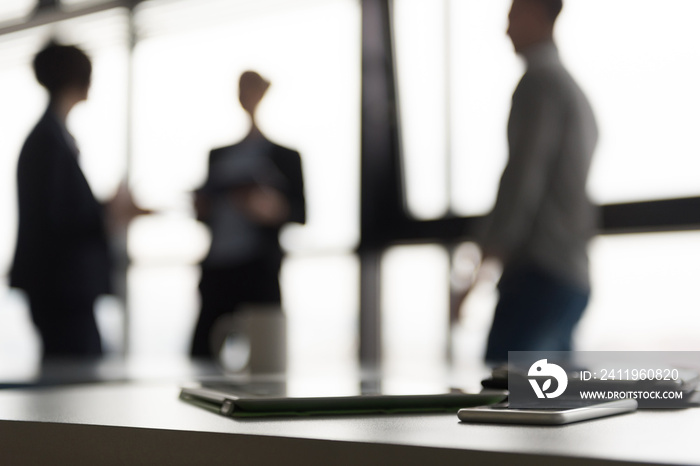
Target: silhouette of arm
295,195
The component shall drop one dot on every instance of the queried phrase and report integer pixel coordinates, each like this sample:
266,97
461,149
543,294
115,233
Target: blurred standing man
543,220
253,188
62,259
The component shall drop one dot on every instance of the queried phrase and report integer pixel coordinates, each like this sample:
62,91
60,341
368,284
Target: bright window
637,61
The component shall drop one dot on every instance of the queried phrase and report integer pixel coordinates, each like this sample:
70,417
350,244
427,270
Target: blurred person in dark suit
62,259
252,189
543,219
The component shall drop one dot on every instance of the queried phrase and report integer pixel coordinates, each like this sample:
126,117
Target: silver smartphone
502,414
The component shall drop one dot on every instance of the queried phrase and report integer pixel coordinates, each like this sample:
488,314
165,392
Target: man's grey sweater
543,215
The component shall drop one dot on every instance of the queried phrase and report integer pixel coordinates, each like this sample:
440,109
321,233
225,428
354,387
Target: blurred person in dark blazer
542,222
62,259
252,189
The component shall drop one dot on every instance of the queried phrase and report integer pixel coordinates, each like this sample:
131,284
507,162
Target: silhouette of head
251,90
63,69
532,21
